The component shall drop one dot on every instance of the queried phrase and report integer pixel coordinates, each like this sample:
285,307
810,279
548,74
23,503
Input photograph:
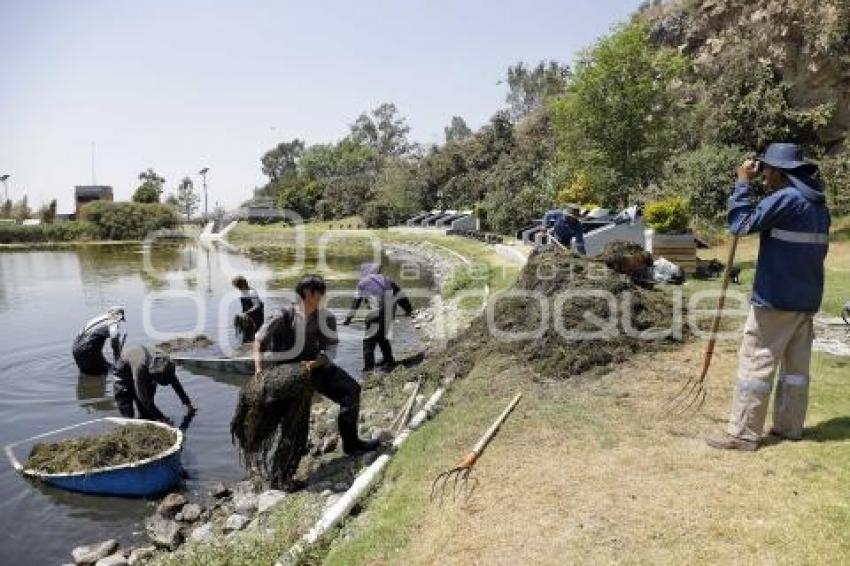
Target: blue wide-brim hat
785,156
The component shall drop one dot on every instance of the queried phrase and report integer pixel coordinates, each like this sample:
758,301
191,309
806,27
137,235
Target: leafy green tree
127,220
282,160
47,213
187,198
616,121
300,194
704,176
530,87
346,158
6,209
457,130
383,130
151,188
750,106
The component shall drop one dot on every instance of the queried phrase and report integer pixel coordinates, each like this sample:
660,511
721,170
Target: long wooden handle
721,301
494,428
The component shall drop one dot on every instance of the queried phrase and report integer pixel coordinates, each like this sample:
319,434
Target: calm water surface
46,296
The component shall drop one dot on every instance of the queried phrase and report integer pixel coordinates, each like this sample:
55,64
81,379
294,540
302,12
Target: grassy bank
586,472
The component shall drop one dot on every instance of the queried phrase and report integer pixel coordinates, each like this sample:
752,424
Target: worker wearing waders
137,374
381,294
568,228
88,345
306,332
793,226
252,308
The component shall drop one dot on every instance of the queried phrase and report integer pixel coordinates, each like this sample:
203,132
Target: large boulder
191,512
203,534
269,500
91,553
117,559
140,555
171,505
236,522
163,532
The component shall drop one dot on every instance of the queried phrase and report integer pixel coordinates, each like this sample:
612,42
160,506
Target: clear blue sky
181,84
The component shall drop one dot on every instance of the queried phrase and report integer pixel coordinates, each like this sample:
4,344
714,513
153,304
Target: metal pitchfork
691,397
459,475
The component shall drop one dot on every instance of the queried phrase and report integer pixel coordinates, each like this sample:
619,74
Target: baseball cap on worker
116,311
785,156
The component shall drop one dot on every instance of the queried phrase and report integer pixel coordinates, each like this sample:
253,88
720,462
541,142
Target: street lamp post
5,179
203,173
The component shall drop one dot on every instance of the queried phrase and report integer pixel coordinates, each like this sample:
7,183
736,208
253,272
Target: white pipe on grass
361,486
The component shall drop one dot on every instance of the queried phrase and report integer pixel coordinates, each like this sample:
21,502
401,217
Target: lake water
45,298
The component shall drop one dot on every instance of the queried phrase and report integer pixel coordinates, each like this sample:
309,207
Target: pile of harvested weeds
596,316
125,444
566,316
198,342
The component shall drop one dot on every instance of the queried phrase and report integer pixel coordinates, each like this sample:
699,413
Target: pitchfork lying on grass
459,475
691,397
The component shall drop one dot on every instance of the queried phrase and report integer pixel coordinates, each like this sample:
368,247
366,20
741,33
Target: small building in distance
88,193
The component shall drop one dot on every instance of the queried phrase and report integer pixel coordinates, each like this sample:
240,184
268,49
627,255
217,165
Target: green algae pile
124,445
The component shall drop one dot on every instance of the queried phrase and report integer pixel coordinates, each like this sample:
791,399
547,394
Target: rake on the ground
691,396
459,476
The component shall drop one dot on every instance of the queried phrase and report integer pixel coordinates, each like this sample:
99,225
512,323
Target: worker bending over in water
306,332
88,345
253,312
381,295
793,226
137,374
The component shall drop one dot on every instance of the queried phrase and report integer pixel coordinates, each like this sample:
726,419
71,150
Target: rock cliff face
806,41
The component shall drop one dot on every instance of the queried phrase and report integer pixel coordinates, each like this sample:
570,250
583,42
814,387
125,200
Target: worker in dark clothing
306,332
253,309
381,294
568,228
137,374
88,345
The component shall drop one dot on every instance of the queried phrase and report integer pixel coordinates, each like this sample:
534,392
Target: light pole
5,179
203,173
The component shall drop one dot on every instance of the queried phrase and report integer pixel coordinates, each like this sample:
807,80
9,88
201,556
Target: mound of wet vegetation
568,315
123,445
199,342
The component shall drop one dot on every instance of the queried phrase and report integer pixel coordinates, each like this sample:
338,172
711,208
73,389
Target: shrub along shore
99,221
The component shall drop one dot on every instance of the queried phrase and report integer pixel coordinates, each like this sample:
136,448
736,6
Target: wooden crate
681,249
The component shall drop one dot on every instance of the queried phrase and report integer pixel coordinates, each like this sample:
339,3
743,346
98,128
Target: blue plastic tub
136,479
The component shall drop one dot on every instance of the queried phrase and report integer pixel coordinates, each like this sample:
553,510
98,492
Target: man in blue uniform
793,227
88,345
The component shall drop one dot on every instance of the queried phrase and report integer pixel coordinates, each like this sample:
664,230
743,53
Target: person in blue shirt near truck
793,226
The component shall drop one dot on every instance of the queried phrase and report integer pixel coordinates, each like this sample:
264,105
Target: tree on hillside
346,158
529,88
187,198
751,107
151,188
616,121
283,159
383,130
457,130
